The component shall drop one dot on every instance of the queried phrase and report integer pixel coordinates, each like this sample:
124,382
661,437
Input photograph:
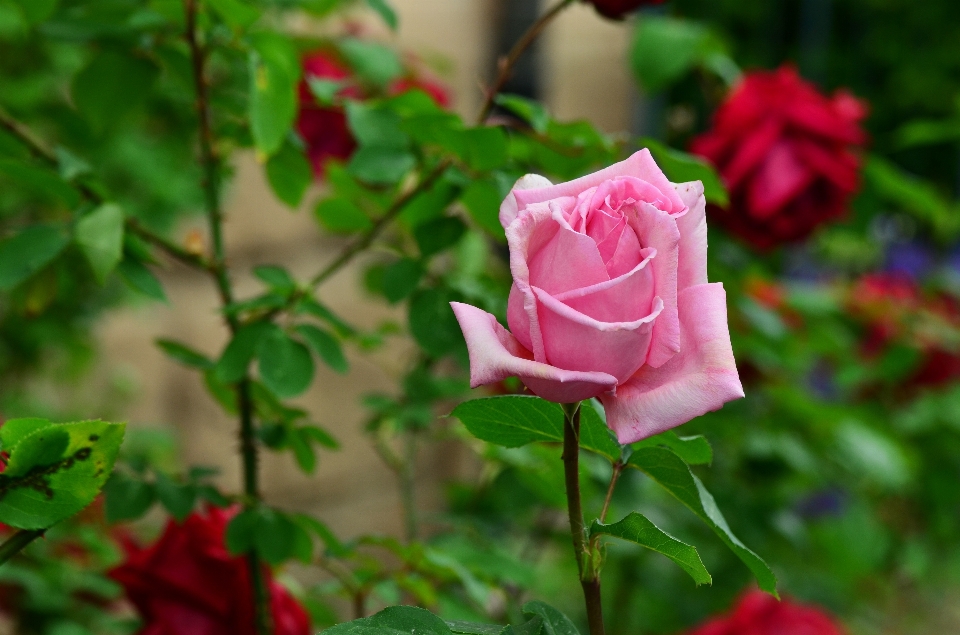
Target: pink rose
610,299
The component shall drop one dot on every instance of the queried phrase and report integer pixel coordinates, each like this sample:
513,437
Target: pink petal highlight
700,378
692,259
495,355
575,341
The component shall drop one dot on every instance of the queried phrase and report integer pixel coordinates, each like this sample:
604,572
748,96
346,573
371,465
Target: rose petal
509,208
627,255
692,257
575,341
700,378
658,230
640,165
625,298
779,179
495,355
569,261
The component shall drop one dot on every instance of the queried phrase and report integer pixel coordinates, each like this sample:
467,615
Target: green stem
589,580
15,543
218,267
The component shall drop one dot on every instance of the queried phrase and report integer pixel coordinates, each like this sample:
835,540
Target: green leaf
286,367
873,455
375,63
29,251
238,354
473,628
289,174
14,431
596,436
341,216
185,355
275,536
274,73
394,620
319,435
312,307
669,470
127,498
141,279
326,346
693,450
428,205
235,13
386,12
39,181
664,50
436,235
99,235
529,110
334,546
482,199
381,165
483,148
56,471
637,528
375,125
241,532
277,278
554,622
921,132
681,167
112,85
433,324
512,420
177,498
37,11
401,278
302,451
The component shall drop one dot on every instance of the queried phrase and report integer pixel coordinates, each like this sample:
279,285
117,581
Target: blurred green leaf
39,181
127,498
99,235
289,174
375,125
239,352
874,456
340,216
401,278
374,62
277,278
433,324
482,199
274,73
436,235
241,532
483,148
29,251
185,355
274,536
386,12
394,620
177,498
637,528
913,195
112,85
681,167
531,111
325,345
37,11
381,166
924,132
286,367
669,470
56,471
236,13
664,49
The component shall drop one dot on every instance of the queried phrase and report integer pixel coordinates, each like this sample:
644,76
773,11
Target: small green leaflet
29,251
394,620
694,450
285,364
554,622
55,470
99,235
637,528
669,470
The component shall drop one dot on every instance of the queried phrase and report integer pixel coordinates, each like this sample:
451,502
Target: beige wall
585,77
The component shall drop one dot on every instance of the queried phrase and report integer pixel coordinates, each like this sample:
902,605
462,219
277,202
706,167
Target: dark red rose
785,152
760,614
617,9
324,129
188,584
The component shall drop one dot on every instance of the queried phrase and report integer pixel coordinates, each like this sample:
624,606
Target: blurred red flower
617,9
785,152
188,584
323,128
760,614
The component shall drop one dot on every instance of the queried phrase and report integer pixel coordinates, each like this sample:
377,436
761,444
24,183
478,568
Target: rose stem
507,63
211,186
589,579
15,543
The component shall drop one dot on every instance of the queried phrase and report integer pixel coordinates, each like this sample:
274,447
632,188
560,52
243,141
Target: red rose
324,129
785,153
760,614
187,584
616,9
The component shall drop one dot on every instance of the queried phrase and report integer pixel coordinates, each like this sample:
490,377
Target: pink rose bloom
610,299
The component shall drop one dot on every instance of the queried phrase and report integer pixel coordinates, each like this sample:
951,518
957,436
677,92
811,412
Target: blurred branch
211,185
507,63
16,543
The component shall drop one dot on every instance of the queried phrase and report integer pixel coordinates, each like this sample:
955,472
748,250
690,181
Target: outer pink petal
640,165
692,260
576,341
509,208
657,229
495,355
700,378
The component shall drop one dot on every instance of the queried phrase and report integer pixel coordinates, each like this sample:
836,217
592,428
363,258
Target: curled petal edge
495,354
